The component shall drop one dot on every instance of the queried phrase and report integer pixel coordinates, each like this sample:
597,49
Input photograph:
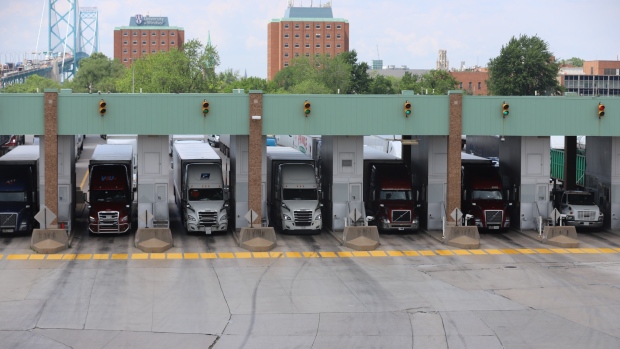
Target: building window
171,42
461,86
318,26
317,54
134,33
470,85
153,33
163,33
479,85
285,54
337,36
285,64
124,59
143,51
307,36
135,51
297,45
318,36
153,51
318,45
307,26
143,42
135,42
143,33
286,36
163,42
124,33
337,45
153,43
124,42
163,50
328,54
296,26
286,45
338,26
329,36
296,54
307,54
328,45
328,26
286,26
307,45
296,36
124,50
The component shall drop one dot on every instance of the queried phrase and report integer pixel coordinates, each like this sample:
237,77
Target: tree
381,85
360,79
437,82
32,84
324,73
409,82
96,73
525,67
575,62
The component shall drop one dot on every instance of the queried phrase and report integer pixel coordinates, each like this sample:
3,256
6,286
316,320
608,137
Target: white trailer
199,189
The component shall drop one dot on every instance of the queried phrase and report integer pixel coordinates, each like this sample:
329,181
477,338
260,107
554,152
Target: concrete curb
257,239
565,236
361,238
48,241
153,240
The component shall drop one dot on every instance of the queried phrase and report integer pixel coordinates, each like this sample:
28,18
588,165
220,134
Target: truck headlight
124,219
286,217
478,222
23,225
601,217
385,220
224,218
191,218
318,217
507,222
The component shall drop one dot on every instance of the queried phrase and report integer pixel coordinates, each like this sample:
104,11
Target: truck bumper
193,227
104,229
584,224
290,225
394,227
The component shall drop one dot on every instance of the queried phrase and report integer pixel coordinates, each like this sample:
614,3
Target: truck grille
108,221
207,218
493,217
8,220
586,215
401,216
303,218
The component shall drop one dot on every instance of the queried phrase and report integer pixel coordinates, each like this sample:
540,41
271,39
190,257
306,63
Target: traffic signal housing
601,110
407,108
505,109
306,108
102,107
205,107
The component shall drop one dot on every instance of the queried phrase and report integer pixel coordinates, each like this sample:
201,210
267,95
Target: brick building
304,31
598,78
145,35
473,82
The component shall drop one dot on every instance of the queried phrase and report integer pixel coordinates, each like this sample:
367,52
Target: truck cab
297,196
483,197
579,209
205,209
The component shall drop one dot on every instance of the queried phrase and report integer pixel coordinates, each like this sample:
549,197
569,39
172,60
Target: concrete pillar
453,194
66,180
153,173
255,158
50,145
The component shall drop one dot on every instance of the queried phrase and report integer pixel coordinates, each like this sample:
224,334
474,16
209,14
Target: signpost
45,217
456,215
251,217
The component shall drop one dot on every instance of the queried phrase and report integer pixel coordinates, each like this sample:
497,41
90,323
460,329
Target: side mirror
88,206
381,205
320,205
127,206
370,218
510,204
418,205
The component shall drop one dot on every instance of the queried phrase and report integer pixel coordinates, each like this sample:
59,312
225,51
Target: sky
400,32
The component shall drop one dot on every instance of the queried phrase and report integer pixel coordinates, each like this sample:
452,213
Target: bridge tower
89,24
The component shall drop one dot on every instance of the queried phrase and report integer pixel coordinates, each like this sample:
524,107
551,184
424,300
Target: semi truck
111,184
293,191
389,197
483,197
199,189
19,189
578,208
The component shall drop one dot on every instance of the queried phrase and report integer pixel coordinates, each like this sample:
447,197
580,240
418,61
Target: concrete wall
153,181
430,172
66,179
603,176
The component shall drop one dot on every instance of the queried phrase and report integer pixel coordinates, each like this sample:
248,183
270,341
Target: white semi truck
293,191
579,208
199,189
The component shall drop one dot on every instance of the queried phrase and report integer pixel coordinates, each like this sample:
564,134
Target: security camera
502,139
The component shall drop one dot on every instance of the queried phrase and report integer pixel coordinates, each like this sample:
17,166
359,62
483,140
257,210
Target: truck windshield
580,199
18,196
299,194
486,195
206,194
395,195
108,196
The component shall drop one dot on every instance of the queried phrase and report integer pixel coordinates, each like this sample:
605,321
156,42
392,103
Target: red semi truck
389,197
483,197
111,188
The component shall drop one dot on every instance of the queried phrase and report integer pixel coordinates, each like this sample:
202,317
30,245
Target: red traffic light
601,110
102,107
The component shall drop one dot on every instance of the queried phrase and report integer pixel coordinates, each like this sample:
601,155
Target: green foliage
31,85
318,73
525,67
96,73
360,79
575,62
437,82
382,85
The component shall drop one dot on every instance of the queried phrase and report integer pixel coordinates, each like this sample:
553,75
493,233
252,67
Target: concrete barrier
361,238
565,236
153,240
257,239
49,240
462,237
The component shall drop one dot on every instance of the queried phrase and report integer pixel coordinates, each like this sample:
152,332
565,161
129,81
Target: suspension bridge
72,33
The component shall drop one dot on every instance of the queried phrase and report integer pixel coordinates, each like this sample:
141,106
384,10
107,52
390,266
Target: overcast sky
400,32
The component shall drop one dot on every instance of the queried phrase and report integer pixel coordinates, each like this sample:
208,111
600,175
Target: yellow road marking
16,257
208,255
617,249
101,256
345,254
493,251
411,253
444,252
243,254
120,256
139,256
509,251
558,250
84,256
226,255
174,255
378,253
84,180
190,255
360,254
54,257
543,250
261,254
574,250
310,254
328,254
275,254
427,253
69,257
607,250
1,256
525,251
477,252
37,256
158,256
461,252
590,250
395,253
293,255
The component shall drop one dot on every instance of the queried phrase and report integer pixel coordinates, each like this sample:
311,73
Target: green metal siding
21,113
355,115
557,166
